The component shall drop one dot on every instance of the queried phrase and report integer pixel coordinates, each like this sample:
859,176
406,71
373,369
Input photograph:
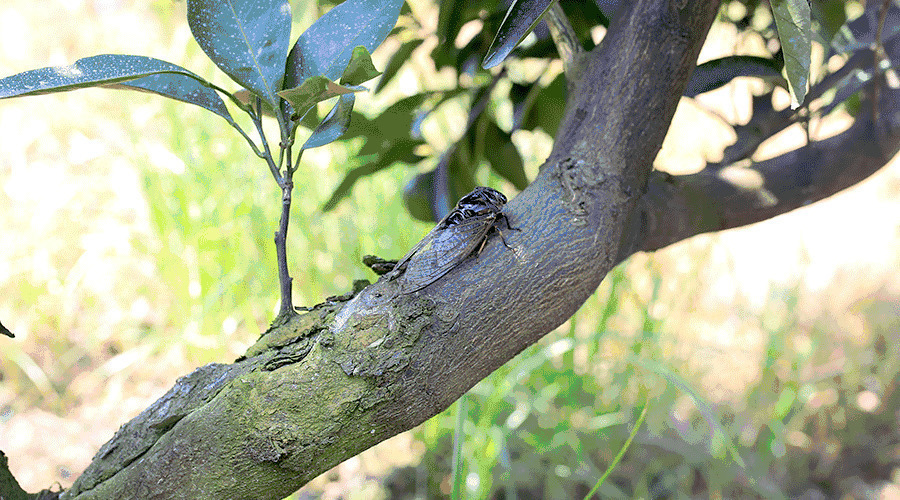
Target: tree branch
347,375
678,207
564,37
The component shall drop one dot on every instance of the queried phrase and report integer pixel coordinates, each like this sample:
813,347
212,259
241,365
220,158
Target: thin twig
257,121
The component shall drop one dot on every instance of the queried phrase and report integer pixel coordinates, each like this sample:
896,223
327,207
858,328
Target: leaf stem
267,152
240,105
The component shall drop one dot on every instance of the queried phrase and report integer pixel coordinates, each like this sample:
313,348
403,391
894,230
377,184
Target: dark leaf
462,171
360,68
521,18
399,58
401,151
5,331
453,15
326,47
503,156
793,20
523,99
394,123
334,125
718,72
182,88
830,16
584,16
314,90
417,197
548,109
247,39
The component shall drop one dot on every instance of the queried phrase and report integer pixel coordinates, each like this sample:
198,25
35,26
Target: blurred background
137,245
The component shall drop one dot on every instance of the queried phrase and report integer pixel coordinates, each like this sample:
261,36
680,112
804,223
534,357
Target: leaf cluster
490,49
249,41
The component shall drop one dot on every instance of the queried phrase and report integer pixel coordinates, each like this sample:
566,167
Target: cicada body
461,233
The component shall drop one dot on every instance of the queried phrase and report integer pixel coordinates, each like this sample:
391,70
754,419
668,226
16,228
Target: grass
563,409
138,245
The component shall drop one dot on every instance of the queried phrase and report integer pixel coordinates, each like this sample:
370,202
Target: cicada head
482,199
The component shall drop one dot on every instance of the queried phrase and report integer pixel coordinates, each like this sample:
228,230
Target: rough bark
357,370
678,207
348,375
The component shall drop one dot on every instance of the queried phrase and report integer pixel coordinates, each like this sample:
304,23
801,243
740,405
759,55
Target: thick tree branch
678,207
347,375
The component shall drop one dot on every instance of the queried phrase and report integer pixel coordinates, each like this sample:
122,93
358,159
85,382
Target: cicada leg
508,228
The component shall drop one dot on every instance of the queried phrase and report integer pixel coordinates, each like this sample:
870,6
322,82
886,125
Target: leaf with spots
247,39
325,48
181,88
118,71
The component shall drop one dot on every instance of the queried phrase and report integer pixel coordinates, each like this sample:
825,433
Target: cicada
461,233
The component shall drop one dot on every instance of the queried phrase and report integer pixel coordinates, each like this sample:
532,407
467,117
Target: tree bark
678,207
356,370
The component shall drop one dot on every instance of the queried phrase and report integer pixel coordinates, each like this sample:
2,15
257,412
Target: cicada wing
446,249
426,240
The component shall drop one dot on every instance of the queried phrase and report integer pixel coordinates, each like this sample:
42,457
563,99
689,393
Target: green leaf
397,61
249,98
92,71
334,125
503,156
314,90
792,17
360,68
181,88
394,123
830,16
417,196
718,72
400,151
247,39
548,113
521,18
326,47
119,71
